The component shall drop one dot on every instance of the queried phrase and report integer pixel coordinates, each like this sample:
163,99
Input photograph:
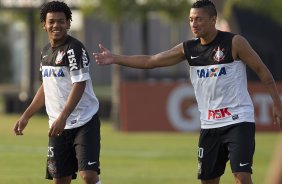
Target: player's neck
57,43
209,37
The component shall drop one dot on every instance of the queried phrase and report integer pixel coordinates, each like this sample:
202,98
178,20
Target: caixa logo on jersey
52,72
211,72
72,60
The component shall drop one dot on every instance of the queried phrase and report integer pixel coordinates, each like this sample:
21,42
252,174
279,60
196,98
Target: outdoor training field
126,158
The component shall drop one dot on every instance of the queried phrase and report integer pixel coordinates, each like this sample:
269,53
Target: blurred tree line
118,11
268,8
5,54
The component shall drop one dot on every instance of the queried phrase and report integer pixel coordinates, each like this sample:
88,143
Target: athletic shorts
216,146
75,149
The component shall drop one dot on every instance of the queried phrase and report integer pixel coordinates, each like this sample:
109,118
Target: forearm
162,59
36,104
270,85
135,61
73,99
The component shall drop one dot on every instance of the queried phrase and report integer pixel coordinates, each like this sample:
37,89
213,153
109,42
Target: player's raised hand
105,57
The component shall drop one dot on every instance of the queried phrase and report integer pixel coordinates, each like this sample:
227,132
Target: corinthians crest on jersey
59,57
219,54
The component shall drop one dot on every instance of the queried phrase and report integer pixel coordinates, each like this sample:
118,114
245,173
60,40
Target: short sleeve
78,62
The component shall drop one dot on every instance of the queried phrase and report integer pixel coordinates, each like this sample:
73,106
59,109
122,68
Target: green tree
269,8
174,12
5,59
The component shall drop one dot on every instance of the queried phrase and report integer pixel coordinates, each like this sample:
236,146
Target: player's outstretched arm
166,58
243,50
36,104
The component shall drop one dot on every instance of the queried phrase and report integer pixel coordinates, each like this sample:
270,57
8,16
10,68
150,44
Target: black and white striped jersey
60,68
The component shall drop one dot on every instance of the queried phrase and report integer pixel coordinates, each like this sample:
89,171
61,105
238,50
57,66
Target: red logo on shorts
218,114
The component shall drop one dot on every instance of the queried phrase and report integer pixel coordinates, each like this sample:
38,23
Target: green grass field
126,158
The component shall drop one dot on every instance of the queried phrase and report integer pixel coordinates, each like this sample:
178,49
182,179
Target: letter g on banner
183,117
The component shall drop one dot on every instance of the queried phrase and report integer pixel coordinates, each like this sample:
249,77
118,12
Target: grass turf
126,158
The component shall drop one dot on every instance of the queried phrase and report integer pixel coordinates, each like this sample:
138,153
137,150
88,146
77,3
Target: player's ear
214,18
43,26
68,24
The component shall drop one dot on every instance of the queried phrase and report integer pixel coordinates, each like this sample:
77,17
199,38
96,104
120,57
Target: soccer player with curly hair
71,104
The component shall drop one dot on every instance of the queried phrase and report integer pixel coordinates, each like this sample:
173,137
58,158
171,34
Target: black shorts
216,146
75,149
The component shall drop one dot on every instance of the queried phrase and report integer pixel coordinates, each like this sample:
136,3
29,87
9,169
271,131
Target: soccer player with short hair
217,62
71,104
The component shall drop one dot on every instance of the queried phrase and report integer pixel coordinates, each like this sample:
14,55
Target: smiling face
56,26
201,23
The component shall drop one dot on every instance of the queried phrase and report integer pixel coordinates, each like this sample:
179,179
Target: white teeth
56,31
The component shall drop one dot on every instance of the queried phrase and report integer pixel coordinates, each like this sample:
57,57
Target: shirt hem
225,124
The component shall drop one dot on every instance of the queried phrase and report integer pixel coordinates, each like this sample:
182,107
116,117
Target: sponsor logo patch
218,114
91,163
85,60
211,72
243,164
73,122
53,72
72,61
236,116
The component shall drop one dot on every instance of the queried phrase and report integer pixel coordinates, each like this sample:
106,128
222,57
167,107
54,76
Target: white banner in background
174,109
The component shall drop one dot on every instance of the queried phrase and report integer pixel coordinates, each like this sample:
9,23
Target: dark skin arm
36,104
167,58
74,97
242,50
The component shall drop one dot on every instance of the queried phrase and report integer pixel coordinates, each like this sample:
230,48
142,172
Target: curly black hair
207,4
55,6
